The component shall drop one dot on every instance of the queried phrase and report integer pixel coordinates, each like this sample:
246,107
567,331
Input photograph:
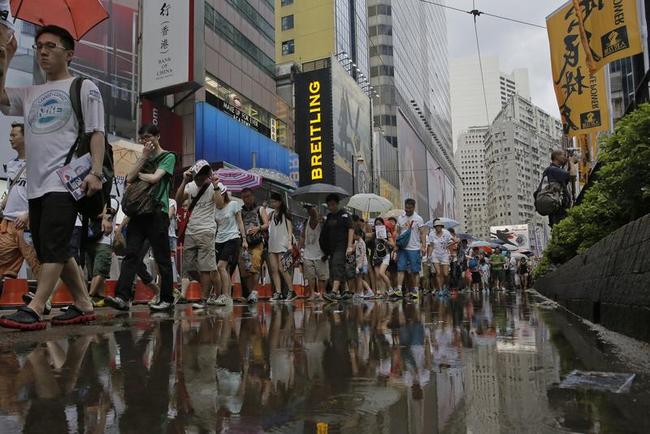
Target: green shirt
161,194
498,262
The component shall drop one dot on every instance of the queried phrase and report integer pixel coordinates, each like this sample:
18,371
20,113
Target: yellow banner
581,95
609,30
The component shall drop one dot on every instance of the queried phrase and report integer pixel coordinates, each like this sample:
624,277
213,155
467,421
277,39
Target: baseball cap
198,166
437,222
5,15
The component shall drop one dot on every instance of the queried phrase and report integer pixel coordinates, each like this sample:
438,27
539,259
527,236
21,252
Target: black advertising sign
314,127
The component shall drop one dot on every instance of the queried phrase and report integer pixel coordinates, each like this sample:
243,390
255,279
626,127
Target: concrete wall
610,283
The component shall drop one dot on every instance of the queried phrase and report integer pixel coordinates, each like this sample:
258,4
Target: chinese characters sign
581,95
609,29
165,43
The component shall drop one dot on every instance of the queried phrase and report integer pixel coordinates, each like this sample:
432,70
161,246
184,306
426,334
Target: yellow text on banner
581,95
609,30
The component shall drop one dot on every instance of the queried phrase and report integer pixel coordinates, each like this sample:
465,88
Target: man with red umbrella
51,128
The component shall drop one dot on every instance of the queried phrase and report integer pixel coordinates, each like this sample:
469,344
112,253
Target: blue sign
219,137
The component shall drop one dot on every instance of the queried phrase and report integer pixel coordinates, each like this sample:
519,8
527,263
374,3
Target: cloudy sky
516,45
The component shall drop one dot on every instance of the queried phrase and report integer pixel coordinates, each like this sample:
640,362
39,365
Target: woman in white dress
280,242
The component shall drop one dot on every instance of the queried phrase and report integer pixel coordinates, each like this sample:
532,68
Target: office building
518,146
470,161
468,106
408,67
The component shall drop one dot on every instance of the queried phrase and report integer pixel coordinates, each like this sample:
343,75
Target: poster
514,235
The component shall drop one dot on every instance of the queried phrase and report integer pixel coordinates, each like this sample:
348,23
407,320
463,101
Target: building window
287,22
288,47
286,2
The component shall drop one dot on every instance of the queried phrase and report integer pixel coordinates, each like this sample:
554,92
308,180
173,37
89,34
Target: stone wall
610,283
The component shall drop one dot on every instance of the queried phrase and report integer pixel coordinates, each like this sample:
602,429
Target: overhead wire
476,12
480,64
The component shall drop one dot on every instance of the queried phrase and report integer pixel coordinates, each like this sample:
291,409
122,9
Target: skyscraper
470,160
408,67
468,106
518,147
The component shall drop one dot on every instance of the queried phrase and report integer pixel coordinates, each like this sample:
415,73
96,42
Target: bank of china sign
165,44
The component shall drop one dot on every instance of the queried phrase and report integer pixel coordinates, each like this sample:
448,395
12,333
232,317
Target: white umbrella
369,202
449,223
392,213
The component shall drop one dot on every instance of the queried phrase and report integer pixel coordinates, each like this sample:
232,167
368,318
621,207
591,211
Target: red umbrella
236,180
76,16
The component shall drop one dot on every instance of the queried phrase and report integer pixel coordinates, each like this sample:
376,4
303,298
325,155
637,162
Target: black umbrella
316,193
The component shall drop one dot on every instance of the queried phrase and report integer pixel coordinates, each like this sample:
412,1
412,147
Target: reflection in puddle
471,364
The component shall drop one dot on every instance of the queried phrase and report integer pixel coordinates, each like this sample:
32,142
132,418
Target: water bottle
246,256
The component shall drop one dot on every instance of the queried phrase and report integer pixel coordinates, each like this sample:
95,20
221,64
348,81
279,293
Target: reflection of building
470,160
518,147
408,67
327,40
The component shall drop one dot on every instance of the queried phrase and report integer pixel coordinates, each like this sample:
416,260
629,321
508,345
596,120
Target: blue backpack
473,263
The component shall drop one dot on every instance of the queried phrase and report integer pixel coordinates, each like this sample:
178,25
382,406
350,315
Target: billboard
352,132
314,129
436,181
413,171
168,45
513,235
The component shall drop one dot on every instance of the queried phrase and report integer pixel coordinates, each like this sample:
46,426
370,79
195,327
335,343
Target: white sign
513,235
165,44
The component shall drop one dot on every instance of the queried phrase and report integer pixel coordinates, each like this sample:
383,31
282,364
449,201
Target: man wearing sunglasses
51,128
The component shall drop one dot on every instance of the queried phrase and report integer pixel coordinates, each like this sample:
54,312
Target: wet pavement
475,363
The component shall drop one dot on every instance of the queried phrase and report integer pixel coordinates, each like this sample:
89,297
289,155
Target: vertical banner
609,30
581,95
314,127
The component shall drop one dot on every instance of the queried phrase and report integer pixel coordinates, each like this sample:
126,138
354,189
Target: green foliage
619,195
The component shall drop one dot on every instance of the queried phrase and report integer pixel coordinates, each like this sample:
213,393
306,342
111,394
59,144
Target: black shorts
51,219
228,251
476,277
340,270
74,248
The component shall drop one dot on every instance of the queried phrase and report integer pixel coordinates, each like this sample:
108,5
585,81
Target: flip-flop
24,319
73,315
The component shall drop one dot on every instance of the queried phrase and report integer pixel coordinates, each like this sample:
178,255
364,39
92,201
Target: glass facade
352,31
254,18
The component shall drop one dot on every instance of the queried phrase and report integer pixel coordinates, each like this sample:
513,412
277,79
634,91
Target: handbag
182,227
139,196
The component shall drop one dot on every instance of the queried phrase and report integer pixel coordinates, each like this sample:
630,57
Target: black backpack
92,206
549,197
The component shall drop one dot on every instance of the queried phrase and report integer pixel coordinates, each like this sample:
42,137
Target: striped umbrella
236,180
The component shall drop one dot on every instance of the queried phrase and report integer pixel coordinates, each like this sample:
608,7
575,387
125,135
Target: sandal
24,319
73,315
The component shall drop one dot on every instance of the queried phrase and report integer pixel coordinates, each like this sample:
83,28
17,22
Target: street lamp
358,159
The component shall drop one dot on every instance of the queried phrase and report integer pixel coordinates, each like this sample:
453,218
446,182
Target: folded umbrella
237,180
317,193
76,16
369,202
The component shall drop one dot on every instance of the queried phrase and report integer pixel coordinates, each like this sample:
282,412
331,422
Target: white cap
5,15
198,166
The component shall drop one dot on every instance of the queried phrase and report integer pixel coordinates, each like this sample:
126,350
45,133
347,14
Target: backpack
139,197
473,263
549,198
90,206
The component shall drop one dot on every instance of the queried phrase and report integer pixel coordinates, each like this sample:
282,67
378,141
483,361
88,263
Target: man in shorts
497,263
198,250
49,135
256,223
314,265
409,258
336,241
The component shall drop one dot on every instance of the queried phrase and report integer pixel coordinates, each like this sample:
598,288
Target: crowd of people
341,255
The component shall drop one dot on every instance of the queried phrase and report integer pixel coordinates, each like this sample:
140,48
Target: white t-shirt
313,251
17,200
225,217
404,223
51,128
440,243
202,219
173,223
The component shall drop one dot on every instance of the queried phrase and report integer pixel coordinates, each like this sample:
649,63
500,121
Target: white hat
198,166
5,15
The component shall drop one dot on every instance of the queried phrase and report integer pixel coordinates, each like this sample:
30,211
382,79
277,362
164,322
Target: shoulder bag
139,197
182,227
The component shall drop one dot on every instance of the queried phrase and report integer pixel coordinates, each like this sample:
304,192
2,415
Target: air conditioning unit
283,70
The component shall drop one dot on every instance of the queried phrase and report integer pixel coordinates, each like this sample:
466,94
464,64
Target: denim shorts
409,260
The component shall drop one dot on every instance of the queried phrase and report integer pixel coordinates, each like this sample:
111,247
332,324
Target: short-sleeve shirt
498,262
226,219
161,194
415,222
336,226
440,243
51,128
202,219
17,200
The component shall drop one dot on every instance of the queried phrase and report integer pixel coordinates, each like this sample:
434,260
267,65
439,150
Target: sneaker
24,319
154,300
390,293
99,303
347,295
224,300
331,296
177,296
29,296
291,296
73,315
277,296
199,305
397,293
161,307
369,294
117,303
252,298
357,298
